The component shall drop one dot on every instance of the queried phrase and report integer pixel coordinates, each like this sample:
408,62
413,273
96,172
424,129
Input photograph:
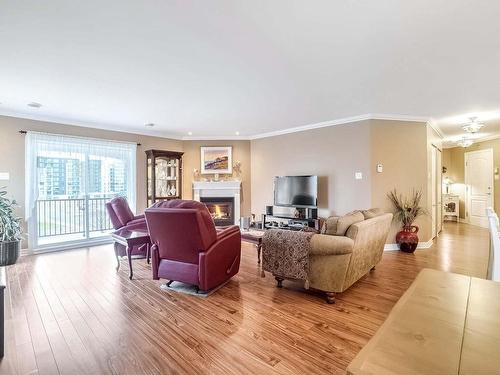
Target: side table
129,239
255,237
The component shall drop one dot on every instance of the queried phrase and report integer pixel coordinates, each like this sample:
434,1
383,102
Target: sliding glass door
69,180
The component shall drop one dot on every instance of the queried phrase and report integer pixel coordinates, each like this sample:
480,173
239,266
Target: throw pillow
372,212
338,226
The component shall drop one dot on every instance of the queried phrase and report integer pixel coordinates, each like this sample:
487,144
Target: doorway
478,186
436,191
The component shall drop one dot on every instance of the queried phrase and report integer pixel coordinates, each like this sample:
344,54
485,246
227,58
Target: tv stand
294,223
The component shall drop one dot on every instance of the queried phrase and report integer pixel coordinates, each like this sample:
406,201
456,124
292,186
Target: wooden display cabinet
163,175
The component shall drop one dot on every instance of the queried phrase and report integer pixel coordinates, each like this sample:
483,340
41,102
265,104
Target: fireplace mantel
219,189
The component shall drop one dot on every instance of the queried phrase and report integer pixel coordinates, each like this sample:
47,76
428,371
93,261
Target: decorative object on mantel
237,170
10,231
407,210
196,174
216,160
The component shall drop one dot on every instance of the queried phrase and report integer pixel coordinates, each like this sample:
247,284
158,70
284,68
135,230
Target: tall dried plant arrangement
407,208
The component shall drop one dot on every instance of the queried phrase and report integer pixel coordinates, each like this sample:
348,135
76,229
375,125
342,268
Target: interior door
433,191
479,185
439,190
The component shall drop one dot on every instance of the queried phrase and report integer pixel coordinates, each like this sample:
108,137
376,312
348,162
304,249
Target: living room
210,188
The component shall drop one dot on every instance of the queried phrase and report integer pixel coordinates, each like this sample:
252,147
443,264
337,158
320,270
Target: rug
180,287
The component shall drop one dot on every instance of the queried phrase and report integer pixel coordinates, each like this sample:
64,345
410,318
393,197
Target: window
68,182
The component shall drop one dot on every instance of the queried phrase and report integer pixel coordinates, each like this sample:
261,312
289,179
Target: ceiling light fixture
190,133
149,125
237,133
34,105
465,142
473,126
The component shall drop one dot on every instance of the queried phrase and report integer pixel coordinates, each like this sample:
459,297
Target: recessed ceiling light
237,133
149,125
190,133
34,105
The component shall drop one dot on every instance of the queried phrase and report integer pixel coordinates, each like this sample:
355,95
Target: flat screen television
296,191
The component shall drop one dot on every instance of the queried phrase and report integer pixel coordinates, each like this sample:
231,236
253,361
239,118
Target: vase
9,252
407,238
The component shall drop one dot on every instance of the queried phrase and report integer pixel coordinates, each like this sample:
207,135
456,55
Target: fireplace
221,209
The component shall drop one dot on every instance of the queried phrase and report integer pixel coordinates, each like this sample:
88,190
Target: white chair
494,256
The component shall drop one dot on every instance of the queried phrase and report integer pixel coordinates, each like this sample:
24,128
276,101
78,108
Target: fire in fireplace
221,209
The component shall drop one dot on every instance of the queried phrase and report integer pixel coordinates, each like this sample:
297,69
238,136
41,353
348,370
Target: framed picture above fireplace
216,160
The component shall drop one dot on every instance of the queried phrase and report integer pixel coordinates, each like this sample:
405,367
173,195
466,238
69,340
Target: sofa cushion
322,244
338,225
372,212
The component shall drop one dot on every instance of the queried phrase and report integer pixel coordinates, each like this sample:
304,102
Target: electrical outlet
358,176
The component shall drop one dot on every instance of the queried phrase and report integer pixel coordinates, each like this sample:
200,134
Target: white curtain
82,153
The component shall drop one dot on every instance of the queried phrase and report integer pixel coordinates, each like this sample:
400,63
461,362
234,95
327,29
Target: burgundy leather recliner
186,247
122,217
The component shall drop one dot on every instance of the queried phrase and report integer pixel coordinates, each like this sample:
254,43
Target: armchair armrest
324,244
227,231
139,217
221,260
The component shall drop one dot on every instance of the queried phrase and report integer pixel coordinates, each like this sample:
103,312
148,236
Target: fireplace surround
220,189
221,209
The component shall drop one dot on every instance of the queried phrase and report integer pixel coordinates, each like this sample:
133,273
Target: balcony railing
58,217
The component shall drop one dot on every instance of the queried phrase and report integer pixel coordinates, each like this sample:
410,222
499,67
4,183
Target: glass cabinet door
164,173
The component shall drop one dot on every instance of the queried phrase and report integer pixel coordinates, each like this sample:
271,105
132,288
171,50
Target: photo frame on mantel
216,159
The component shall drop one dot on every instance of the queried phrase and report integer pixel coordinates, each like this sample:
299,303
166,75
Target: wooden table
129,239
255,237
445,323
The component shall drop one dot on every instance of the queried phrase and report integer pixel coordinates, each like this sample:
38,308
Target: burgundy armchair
122,217
186,247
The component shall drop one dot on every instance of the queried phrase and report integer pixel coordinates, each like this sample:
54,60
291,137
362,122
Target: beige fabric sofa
337,262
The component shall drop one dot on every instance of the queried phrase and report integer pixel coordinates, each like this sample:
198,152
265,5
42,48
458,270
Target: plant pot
407,239
9,252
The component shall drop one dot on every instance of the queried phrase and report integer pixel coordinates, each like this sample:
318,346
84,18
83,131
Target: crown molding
84,124
319,125
217,138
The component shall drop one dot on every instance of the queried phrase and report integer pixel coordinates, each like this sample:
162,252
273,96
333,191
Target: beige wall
401,147
333,153
241,152
12,152
456,171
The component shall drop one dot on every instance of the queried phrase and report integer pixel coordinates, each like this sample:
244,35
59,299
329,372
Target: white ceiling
216,67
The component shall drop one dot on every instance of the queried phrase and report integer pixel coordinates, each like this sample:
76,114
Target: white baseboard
394,246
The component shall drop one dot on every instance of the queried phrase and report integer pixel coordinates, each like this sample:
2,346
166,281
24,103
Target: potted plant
10,231
407,209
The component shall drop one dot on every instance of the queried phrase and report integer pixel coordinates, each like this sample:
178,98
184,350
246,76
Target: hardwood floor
71,313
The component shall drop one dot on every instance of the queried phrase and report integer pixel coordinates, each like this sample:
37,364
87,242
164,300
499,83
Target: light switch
358,176
4,176
380,168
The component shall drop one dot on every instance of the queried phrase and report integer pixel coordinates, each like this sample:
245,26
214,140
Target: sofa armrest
324,244
139,217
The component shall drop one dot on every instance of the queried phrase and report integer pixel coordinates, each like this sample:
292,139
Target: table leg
129,256
259,248
117,254
148,253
